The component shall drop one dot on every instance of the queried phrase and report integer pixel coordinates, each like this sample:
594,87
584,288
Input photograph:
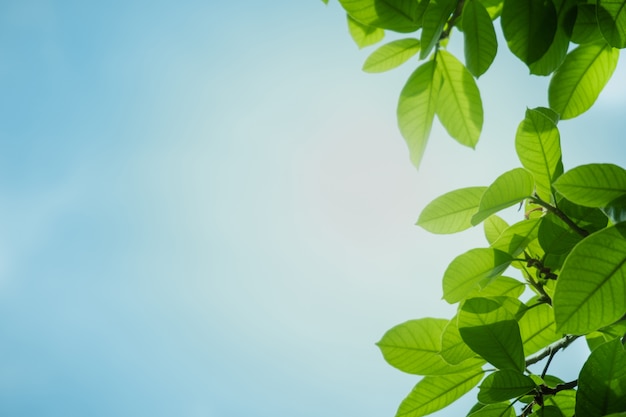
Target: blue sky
207,210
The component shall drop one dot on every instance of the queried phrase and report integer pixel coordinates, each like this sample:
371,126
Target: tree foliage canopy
569,249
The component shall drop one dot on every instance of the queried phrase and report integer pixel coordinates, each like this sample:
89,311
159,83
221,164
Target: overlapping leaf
586,27
504,385
517,237
612,21
435,17
416,108
451,212
466,271
479,36
593,185
538,329
577,84
494,410
508,189
494,226
433,393
590,290
391,55
557,51
453,348
459,106
397,15
364,35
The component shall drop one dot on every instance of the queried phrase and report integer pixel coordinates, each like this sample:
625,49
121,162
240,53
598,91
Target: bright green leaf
433,393
508,189
481,44
529,27
364,35
612,21
325,1
564,401
538,329
459,106
590,290
547,411
593,185
494,226
517,237
495,410
504,385
435,17
616,210
494,7
577,84
451,212
391,55
538,147
602,381
453,348
466,271
397,15
500,286
490,330
416,108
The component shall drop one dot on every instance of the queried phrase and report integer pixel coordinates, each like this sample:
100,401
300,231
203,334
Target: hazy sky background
206,208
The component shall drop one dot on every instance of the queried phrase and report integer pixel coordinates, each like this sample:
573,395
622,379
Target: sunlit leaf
433,393
459,107
590,290
593,185
494,226
414,347
362,34
495,410
391,55
481,44
564,401
451,212
490,330
397,15
538,147
517,237
435,17
466,271
602,381
453,348
577,84
547,411
504,385
499,286
416,108
616,210
529,27
538,329
612,21
508,189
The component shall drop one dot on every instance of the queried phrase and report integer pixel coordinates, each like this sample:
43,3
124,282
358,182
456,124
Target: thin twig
561,344
555,210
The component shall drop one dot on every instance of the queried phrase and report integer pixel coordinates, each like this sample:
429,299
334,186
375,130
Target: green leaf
414,347
616,210
586,29
577,84
500,286
466,271
451,212
495,410
490,330
564,401
481,44
362,34
397,15
433,393
435,17
589,293
416,108
602,381
391,55
529,27
504,385
593,185
538,329
325,1
494,226
494,7
459,106
538,147
547,411
612,21
517,237
453,348
508,189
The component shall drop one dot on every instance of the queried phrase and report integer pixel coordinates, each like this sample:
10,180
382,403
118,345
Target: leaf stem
561,344
455,15
555,210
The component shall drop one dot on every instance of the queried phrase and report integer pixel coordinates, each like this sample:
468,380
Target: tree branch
452,20
561,344
555,210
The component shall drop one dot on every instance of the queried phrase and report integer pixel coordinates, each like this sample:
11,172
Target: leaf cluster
568,251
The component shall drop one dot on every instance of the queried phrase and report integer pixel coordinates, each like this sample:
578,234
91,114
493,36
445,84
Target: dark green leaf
416,108
590,290
481,44
586,27
593,185
577,84
466,271
435,17
612,21
433,393
494,410
602,381
451,212
555,55
459,106
616,210
397,15
391,55
508,189
547,411
504,385
362,34
529,27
